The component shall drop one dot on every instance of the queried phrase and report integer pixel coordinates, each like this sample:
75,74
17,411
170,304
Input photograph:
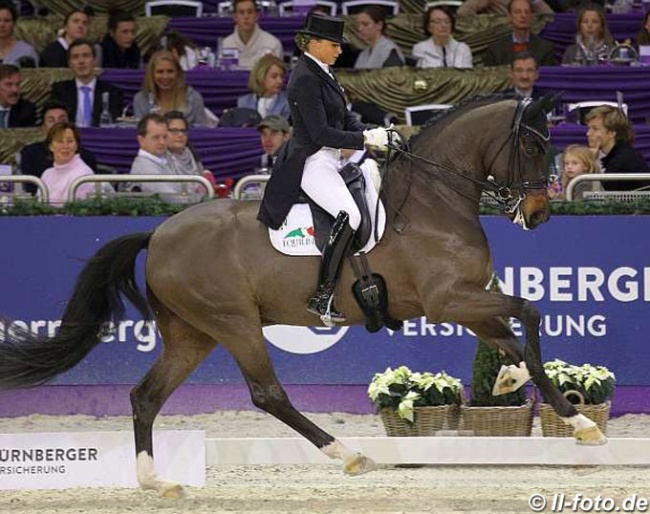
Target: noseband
521,135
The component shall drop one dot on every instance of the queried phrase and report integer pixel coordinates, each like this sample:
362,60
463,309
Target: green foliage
594,383
96,206
487,363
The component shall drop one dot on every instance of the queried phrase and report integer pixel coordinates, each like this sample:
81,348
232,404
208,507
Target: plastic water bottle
105,118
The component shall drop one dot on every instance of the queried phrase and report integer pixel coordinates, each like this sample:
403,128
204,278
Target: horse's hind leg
184,349
498,334
249,350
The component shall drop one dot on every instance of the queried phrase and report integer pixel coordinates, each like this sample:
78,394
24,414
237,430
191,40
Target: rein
501,193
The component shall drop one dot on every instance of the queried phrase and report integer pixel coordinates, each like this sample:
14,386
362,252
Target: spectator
164,89
274,132
523,74
381,52
497,7
181,154
185,50
15,111
119,47
643,37
251,41
593,40
577,160
64,141
83,94
266,81
76,26
12,50
610,137
35,158
441,50
503,50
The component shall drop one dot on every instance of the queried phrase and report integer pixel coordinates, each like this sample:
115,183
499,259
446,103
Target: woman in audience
266,81
165,90
185,50
63,141
12,50
593,39
381,52
76,26
119,47
181,153
441,50
643,37
577,160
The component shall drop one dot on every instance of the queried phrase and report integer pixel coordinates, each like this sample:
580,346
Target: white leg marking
337,450
579,422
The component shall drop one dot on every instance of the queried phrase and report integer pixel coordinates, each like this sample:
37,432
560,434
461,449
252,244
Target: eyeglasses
178,131
439,22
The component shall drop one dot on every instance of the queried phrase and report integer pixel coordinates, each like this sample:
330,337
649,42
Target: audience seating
174,8
420,114
292,7
354,6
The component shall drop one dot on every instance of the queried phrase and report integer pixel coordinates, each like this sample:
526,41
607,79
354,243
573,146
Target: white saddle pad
296,235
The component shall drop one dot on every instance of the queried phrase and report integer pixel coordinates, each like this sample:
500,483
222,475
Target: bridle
521,134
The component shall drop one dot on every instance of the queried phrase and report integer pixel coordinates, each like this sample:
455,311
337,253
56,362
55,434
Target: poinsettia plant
402,390
594,383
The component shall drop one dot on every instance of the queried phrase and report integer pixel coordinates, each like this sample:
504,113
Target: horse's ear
551,100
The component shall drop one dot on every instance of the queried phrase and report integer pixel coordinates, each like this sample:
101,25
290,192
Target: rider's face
325,50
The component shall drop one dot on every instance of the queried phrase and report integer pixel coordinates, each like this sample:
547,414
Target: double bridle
502,193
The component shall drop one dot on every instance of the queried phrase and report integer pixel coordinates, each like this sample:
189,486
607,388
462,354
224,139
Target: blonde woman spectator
12,50
63,141
381,52
577,160
441,50
76,26
593,39
165,90
266,81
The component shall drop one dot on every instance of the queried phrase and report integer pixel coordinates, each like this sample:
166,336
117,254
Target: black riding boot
336,249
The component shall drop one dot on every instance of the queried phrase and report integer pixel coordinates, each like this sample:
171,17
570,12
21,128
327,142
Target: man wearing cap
274,132
322,126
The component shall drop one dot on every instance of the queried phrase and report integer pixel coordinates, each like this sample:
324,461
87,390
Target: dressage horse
213,277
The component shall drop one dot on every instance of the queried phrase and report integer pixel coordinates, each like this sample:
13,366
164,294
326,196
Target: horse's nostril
539,217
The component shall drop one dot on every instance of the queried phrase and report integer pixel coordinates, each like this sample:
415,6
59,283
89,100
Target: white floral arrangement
594,383
402,390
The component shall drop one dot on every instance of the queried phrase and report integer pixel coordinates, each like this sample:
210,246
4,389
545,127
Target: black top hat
324,27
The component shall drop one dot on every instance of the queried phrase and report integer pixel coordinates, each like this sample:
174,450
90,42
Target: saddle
370,289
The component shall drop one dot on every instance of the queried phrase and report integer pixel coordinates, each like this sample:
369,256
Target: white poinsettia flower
376,388
405,409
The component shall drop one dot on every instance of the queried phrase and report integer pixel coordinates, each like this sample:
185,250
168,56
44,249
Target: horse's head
522,188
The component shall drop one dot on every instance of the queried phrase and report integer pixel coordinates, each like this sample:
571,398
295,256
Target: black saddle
353,177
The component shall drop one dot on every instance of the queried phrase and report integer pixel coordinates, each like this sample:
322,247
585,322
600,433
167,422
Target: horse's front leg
476,309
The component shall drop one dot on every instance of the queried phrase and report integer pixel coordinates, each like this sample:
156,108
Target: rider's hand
377,137
394,136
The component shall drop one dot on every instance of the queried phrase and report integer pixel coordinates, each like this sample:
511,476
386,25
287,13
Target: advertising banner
589,277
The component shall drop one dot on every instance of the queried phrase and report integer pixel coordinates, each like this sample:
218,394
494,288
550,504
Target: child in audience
577,160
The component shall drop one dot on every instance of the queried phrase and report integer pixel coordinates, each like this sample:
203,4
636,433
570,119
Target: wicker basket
553,426
426,421
514,421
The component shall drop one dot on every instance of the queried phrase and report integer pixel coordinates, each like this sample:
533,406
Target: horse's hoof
172,491
358,465
591,436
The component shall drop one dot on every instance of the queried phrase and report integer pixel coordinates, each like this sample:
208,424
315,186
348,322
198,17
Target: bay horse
213,277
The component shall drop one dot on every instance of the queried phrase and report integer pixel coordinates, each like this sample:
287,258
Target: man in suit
322,126
83,94
502,51
523,74
14,110
35,158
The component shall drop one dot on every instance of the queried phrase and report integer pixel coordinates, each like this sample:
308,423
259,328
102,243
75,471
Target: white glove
394,136
377,137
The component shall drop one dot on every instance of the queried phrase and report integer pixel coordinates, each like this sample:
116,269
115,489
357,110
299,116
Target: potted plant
589,387
416,404
509,414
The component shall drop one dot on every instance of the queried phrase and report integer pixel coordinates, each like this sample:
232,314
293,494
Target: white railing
29,179
98,179
597,177
247,180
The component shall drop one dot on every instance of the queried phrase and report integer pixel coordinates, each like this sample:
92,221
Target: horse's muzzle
536,209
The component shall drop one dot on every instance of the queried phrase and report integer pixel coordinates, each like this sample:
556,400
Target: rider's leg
323,184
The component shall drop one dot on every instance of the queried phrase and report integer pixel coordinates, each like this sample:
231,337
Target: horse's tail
27,359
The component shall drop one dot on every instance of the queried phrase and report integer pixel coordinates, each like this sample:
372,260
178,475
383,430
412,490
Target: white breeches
323,184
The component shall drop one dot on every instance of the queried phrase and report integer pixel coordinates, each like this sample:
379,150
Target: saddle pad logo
301,236
303,340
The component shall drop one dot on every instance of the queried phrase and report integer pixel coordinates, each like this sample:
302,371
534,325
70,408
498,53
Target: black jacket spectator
66,91
114,57
623,158
22,114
